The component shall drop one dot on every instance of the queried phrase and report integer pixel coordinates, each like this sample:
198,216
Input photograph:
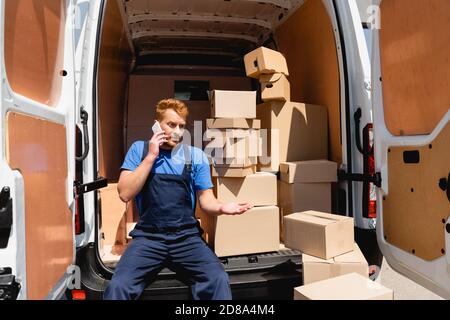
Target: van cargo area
152,50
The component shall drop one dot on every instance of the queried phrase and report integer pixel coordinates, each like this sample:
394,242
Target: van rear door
37,148
411,101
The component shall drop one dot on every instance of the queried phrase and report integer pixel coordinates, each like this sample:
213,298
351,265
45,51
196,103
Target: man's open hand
235,208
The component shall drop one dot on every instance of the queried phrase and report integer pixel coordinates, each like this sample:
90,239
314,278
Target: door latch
444,185
6,216
9,287
90,186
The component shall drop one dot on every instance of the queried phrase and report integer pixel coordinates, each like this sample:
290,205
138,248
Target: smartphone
156,127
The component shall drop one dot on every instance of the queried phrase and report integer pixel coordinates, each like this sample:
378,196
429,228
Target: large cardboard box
113,216
316,269
308,171
260,189
293,132
234,123
351,286
275,87
233,104
264,61
254,231
299,197
228,171
319,234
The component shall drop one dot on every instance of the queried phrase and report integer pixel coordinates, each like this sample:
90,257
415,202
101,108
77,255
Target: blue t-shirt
172,162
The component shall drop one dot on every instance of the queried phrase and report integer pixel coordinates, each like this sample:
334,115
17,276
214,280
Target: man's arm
131,182
210,205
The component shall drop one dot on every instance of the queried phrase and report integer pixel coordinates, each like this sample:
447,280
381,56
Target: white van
77,75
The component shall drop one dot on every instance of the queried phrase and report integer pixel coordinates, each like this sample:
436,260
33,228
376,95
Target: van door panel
411,108
416,209
415,47
34,148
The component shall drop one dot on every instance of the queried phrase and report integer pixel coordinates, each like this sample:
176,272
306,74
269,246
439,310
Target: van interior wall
145,91
307,41
113,72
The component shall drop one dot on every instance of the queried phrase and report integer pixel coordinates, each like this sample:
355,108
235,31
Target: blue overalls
168,235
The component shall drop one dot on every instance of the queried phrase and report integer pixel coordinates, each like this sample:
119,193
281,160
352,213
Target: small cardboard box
275,87
291,131
316,269
234,123
308,171
352,286
260,189
227,171
233,104
264,61
254,231
319,234
113,216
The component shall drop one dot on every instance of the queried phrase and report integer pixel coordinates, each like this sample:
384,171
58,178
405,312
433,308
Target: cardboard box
233,104
319,234
234,123
255,231
264,61
260,189
316,269
299,197
233,143
113,216
227,171
351,286
308,171
293,132
275,87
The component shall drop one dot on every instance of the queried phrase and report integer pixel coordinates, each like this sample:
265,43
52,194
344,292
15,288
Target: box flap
328,216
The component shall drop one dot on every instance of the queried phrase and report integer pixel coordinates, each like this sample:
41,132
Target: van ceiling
206,32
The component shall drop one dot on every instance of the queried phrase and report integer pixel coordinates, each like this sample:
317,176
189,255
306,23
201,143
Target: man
165,177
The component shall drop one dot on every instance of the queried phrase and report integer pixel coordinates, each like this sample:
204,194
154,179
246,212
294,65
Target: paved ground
404,289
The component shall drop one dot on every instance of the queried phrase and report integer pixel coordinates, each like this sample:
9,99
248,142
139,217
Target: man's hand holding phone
159,137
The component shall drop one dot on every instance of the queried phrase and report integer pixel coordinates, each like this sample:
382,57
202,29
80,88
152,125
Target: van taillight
78,295
369,189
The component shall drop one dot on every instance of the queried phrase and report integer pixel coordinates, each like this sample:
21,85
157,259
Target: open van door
37,148
411,106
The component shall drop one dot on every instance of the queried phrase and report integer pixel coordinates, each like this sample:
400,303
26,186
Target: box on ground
264,61
351,286
291,131
275,87
233,123
260,189
319,234
316,269
254,231
233,104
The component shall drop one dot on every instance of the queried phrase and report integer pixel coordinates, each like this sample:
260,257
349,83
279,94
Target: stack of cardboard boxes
235,134
294,138
333,265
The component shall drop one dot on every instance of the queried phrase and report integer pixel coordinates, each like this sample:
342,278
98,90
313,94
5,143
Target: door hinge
375,178
80,189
